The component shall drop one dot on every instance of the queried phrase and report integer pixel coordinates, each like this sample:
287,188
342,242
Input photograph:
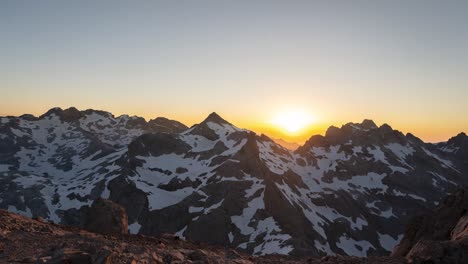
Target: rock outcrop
107,217
438,237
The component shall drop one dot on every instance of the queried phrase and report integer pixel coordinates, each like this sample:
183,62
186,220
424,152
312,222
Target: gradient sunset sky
404,63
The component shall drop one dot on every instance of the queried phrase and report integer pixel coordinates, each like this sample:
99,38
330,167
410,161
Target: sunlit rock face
350,192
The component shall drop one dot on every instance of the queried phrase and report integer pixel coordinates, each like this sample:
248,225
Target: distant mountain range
348,192
286,144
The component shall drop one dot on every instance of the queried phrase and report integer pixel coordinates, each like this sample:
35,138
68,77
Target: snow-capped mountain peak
215,118
349,192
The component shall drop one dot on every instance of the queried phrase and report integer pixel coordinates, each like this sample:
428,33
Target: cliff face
441,236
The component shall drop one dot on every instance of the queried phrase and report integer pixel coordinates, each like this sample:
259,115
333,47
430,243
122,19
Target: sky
404,63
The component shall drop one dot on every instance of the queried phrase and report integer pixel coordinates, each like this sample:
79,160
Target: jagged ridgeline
349,192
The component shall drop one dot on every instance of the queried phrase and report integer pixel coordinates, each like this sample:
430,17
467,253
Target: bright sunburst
292,121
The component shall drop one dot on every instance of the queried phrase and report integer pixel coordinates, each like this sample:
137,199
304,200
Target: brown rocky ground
24,240
437,238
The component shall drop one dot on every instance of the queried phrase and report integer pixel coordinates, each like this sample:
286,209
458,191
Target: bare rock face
163,124
107,217
439,237
443,252
461,229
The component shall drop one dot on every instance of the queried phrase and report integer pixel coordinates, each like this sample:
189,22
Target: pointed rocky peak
386,128
458,140
365,126
67,115
333,131
71,110
368,124
53,111
365,133
207,130
215,118
71,114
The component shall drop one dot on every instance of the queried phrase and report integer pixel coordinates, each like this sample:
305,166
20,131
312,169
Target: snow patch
353,247
180,233
134,228
15,210
388,242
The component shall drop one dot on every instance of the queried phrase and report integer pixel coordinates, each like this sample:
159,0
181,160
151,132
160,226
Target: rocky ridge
348,192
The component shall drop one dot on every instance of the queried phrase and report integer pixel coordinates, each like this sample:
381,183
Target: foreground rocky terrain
439,238
24,240
349,192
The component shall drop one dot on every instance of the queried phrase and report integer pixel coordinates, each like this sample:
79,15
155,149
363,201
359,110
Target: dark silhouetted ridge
69,114
215,118
458,140
368,124
56,110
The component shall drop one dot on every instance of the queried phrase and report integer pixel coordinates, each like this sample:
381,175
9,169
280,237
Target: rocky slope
23,240
438,237
348,192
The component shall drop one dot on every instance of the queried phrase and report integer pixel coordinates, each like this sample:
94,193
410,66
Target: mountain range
348,192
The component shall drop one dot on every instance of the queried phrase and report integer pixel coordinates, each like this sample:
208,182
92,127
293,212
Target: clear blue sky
400,62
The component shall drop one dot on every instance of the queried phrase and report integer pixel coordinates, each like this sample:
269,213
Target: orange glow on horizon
427,130
292,121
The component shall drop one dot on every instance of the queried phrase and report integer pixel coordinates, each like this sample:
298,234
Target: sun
293,121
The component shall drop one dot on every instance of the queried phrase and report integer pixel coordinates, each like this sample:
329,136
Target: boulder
107,217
